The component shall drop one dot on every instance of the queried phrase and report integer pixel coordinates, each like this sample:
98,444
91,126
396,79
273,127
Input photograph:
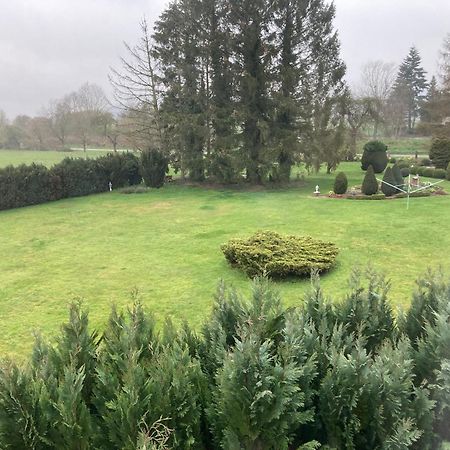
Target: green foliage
448,172
154,166
370,183
341,374
34,184
389,189
405,172
440,152
397,174
379,196
271,254
375,155
340,183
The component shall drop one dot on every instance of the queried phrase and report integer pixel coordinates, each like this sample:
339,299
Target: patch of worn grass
166,243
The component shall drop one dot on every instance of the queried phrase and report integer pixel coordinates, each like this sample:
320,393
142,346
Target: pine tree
410,86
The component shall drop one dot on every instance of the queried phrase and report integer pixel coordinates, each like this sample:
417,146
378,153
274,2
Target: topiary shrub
414,170
389,189
404,163
427,172
425,162
440,173
271,254
340,183
440,152
405,172
397,174
154,166
374,155
370,183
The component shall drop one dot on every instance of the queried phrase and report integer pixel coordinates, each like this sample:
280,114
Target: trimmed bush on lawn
340,183
271,254
440,152
374,155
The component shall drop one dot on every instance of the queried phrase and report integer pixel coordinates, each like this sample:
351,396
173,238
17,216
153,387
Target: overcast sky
50,47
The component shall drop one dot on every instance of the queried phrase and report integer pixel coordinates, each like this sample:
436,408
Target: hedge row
429,172
34,184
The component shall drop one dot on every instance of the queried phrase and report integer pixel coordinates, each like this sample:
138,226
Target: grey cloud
50,47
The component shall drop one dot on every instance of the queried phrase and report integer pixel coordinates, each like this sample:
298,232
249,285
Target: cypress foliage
370,183
337,374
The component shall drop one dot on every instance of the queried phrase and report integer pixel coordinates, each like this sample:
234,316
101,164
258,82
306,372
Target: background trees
409,88
240,87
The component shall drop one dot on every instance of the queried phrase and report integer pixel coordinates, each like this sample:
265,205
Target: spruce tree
410,86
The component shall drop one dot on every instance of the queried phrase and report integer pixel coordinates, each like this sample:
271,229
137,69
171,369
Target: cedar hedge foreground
328,374
274,255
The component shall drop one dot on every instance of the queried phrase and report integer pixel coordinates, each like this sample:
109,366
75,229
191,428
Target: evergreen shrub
370,183
375,155
397,174
440,152
405,172
271,254
154,166
389,189
448,172
33,184
331,373
340,183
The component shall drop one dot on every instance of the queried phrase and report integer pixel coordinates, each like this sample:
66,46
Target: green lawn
403,146
47,157
166,243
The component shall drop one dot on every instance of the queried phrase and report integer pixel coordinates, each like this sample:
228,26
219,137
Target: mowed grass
166,244
405,146
45,157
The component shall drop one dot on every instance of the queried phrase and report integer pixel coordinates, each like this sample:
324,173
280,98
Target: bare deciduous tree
377,80
137,94
444,64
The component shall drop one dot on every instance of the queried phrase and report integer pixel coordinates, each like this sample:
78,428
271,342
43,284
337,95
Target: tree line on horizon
229,89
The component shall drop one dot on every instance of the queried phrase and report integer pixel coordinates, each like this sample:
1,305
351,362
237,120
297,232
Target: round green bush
425,162
405,172
271,254
340,183
440,173
370,183
440,152
427,172
374,155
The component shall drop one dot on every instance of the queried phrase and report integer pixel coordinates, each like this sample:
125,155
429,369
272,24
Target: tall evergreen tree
178,49
250,21
410,86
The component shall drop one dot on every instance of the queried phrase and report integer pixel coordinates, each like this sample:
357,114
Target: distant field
403,146
46,157
167,243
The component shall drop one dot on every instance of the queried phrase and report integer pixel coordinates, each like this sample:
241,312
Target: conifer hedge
337,374
34,184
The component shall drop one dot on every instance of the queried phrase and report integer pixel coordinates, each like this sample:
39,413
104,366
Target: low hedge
429,172
271,254
367,197
34,184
